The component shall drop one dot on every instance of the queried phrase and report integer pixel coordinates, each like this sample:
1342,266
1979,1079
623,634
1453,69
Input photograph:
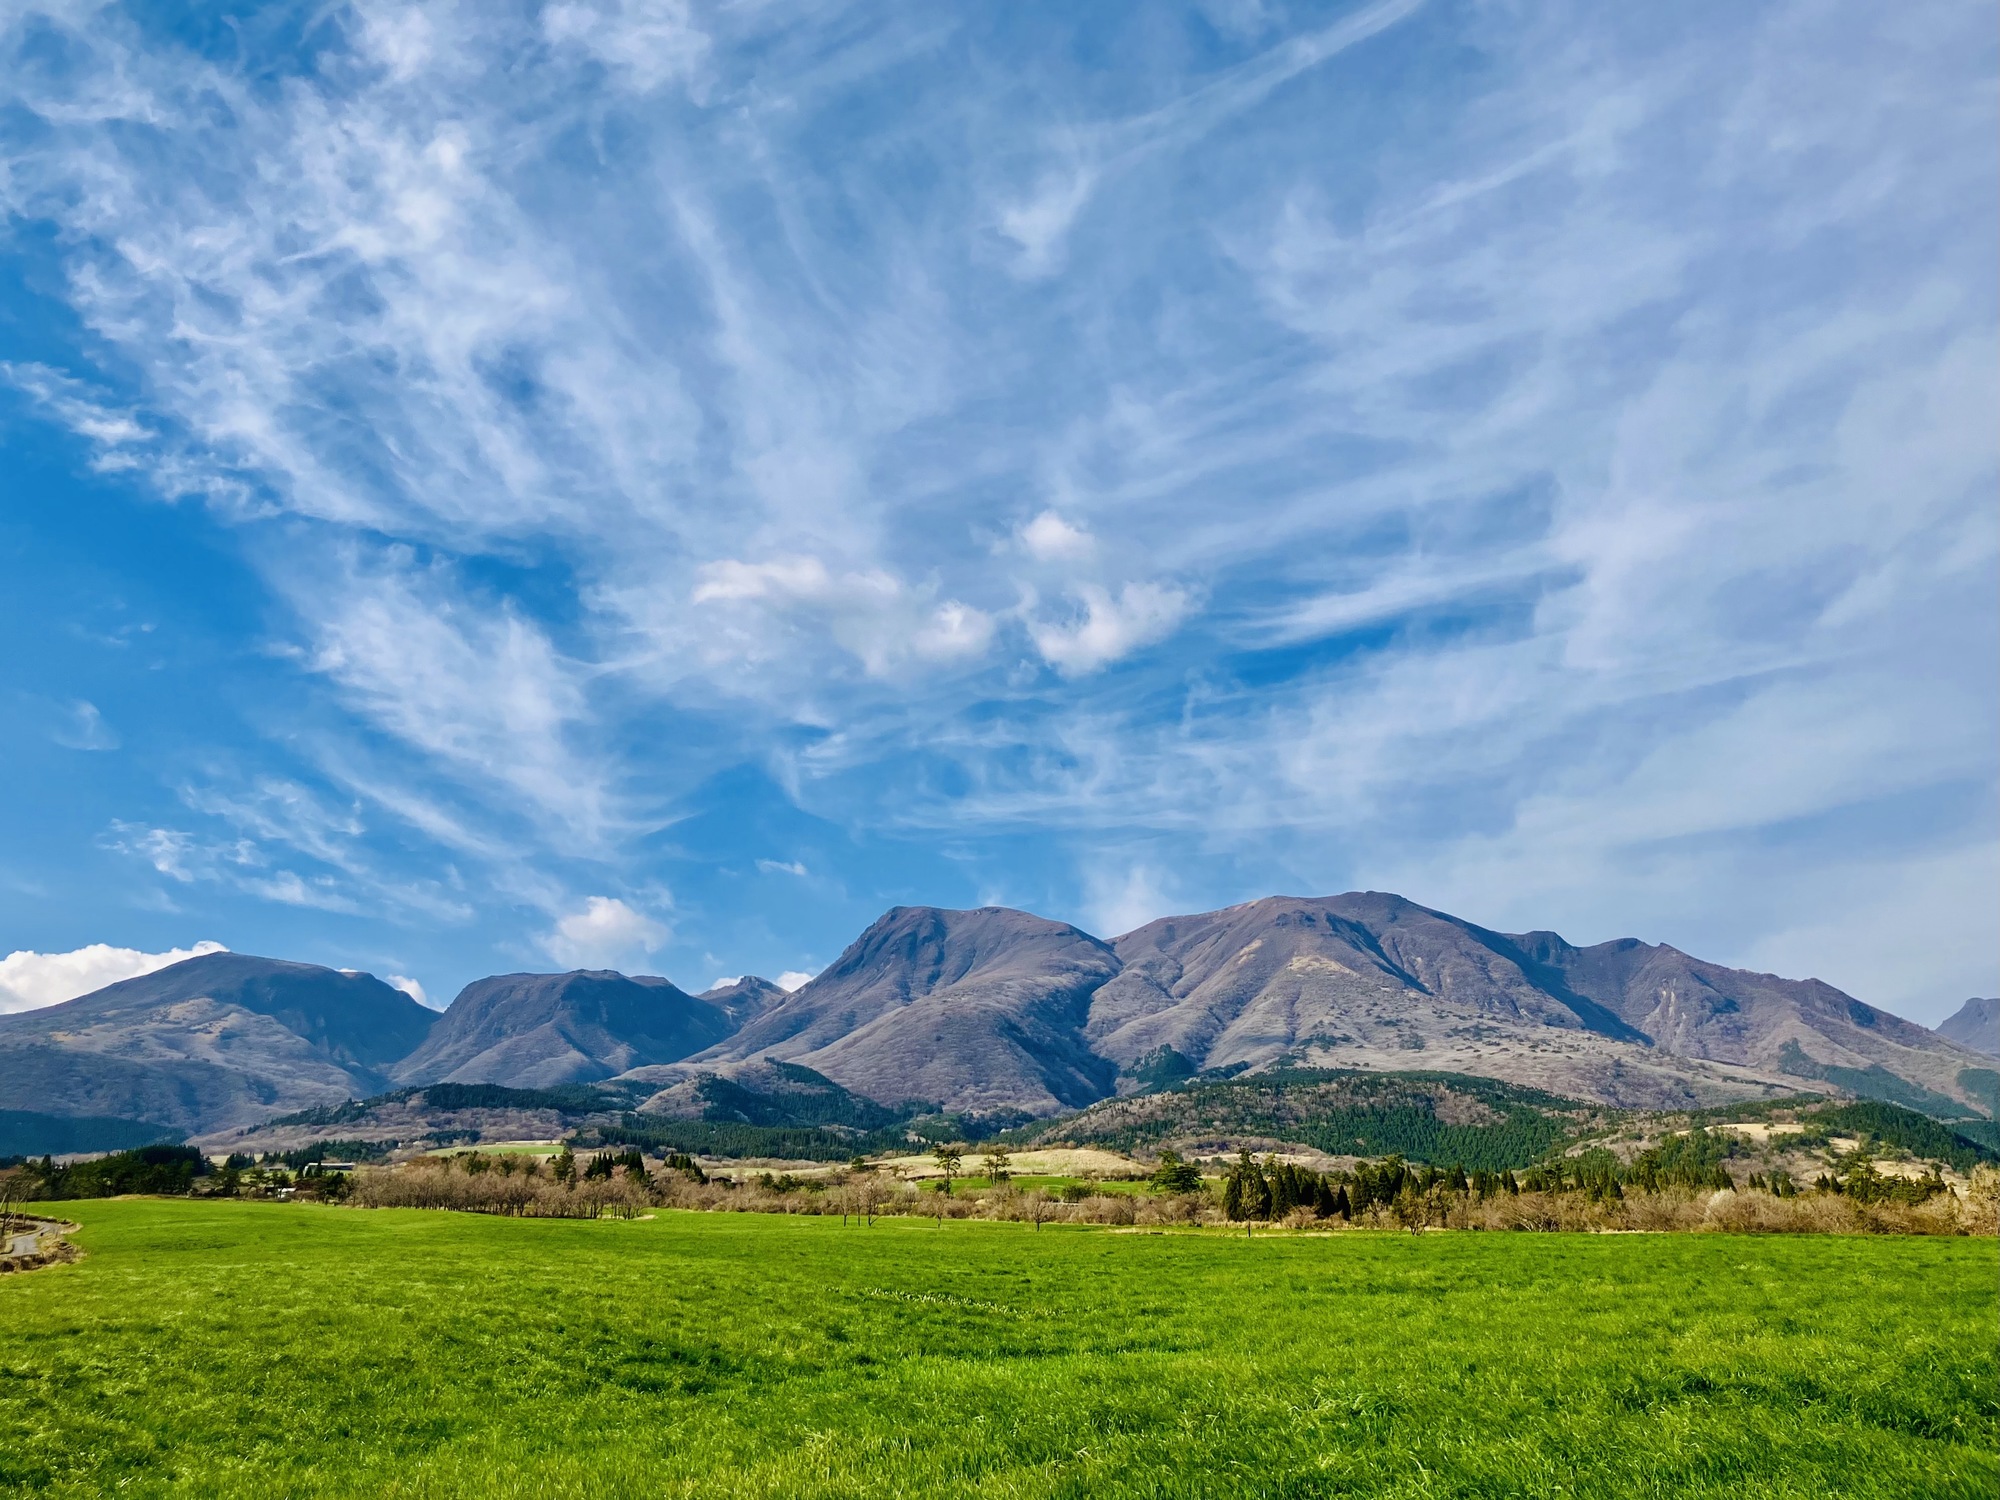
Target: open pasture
247,1349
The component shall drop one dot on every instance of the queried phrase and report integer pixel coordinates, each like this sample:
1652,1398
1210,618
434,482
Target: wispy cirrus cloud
1505,445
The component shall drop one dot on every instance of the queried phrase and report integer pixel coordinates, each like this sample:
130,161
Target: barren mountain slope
222,1039
1794,1028
743,1000
1975,1024
1372,980
973,1010
541,1030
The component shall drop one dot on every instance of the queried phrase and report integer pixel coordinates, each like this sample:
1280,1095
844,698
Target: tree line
1272,1189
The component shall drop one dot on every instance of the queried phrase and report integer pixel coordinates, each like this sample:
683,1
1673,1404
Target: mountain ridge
215,1039
544,1030
992,1010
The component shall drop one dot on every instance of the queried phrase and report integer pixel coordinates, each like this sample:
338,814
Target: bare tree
998,1164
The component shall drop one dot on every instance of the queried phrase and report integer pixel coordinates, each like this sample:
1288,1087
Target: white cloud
29,981
1110,629
80,726
724,981
782,867
1625,408
480,688
1040,222
1050,538
1121,895
793,979
274,821
644,43
85,411
604,934
413,989
776,608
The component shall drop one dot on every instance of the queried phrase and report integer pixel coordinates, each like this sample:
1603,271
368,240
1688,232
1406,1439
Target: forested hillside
1433,1117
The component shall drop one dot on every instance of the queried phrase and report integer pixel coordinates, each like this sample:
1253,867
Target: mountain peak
542,1030
976,1009
220,1038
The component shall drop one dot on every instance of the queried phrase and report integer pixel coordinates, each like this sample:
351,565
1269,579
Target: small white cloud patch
793,979
1142,614
604,934
29,980
883,622
411,988
1049,538
782,867
81,727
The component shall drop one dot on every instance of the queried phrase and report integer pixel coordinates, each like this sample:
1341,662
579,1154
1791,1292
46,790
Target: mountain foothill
1001,1012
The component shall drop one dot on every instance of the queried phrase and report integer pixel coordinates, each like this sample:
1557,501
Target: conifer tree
1174,1175
948,1159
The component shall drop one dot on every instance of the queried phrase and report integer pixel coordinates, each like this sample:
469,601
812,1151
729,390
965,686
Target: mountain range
996,1011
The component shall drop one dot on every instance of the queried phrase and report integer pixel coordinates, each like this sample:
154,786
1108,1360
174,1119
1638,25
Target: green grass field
246,1349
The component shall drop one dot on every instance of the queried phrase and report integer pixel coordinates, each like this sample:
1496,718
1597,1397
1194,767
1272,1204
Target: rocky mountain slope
225,1038
1975,1024
745,999
971,1010
537,1031
1372,980
998,1011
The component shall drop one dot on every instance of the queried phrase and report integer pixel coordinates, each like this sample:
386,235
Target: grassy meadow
222,1348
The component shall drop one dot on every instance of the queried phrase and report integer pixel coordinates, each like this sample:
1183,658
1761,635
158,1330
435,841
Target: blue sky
500,486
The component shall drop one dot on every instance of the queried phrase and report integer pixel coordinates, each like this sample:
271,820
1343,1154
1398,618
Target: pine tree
1176,1176
948,1159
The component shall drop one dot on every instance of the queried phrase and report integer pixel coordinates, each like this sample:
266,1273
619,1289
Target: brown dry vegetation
532,1189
